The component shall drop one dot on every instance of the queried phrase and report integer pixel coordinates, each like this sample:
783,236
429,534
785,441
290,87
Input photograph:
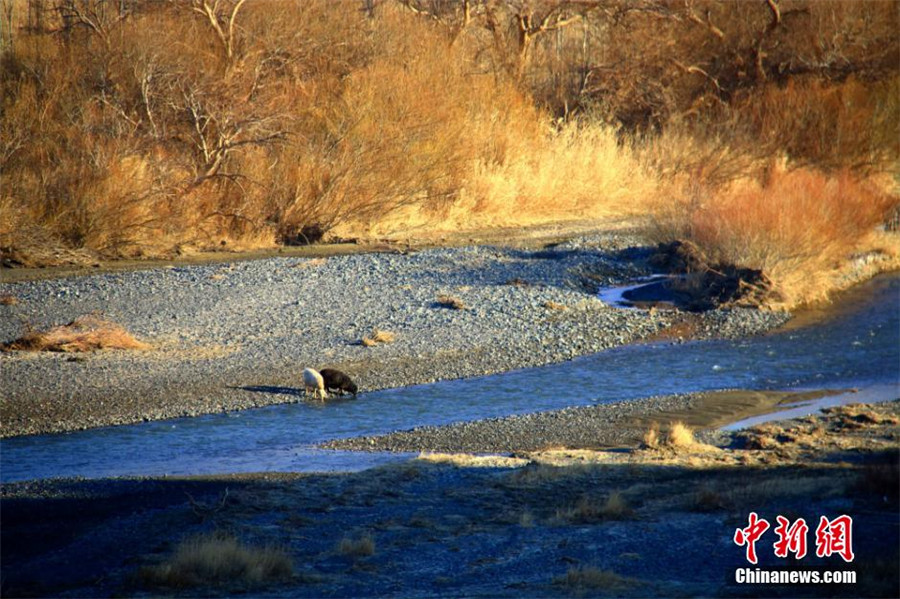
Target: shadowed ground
540,524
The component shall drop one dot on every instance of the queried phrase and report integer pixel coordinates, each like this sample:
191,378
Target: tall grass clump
360,547
577,171
218,559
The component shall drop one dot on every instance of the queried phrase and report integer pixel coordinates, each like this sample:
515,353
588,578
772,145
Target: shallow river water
856,343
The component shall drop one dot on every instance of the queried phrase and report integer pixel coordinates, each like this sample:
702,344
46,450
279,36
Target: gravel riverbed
584,427
234,336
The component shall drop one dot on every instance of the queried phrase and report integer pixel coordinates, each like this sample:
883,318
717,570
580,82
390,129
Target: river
853,343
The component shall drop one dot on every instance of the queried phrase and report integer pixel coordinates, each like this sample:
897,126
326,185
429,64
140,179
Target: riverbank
616,424
565,522
232,336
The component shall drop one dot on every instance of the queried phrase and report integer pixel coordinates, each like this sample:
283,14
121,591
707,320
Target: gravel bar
233,336
586,427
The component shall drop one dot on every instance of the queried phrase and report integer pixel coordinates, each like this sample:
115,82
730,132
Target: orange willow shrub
797,226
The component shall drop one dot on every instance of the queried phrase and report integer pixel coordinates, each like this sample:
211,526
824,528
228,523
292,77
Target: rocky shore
232,336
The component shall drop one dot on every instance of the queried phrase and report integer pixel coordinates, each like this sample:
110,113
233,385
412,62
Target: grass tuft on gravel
378,337
84,334
451,302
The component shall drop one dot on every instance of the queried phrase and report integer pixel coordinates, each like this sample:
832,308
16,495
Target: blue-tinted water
859,346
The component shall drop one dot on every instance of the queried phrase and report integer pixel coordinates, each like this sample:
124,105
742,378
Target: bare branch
91,14
217,19
708,24
204,511
776,14
693,69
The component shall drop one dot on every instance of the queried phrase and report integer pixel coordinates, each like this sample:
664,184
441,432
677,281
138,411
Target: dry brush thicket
136,128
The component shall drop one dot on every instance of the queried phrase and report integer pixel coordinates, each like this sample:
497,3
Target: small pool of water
852,346
872,394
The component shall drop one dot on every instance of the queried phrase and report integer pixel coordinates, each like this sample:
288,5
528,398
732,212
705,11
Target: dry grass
452,302
540,474
616,507
84,334
551,305
361,547
588,509
378,337
315,123
680,435
387,135
881,479
589,577
575,173
219,560
707,499
467,460
651,437
7,299
526,519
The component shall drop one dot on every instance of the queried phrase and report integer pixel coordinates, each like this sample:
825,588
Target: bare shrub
84,334
819,123
170,126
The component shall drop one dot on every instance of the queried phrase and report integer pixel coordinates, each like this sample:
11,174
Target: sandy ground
627,522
